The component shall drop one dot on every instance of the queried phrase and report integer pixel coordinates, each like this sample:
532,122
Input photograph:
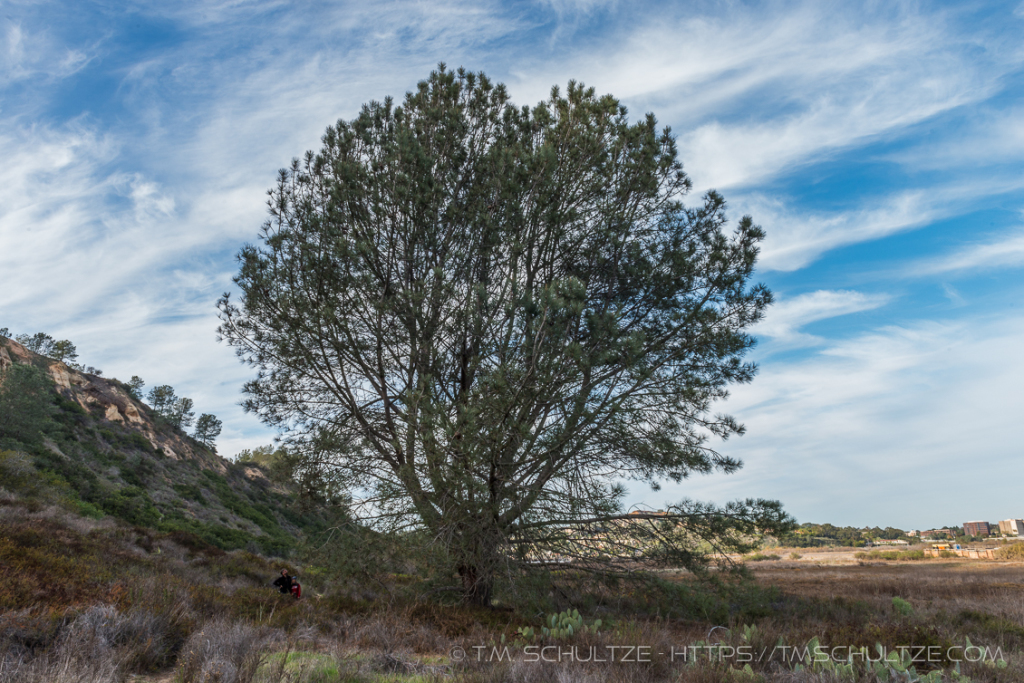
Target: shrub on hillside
18,474
221,651
26,404
133,505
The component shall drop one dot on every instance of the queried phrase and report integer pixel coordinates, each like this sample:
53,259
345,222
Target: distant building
912,532
937,533
977,529
1012,527
886,541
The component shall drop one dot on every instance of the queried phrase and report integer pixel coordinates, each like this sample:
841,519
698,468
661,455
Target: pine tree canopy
483,318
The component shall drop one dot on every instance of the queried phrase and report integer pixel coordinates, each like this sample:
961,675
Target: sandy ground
817,555
829,556
807,556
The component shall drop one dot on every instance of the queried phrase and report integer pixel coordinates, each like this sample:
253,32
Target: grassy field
89,601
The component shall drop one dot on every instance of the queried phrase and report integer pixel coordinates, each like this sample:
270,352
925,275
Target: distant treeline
811,535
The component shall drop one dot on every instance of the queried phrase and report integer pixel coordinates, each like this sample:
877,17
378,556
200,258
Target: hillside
101,452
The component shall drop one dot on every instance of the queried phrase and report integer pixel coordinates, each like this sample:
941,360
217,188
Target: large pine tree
483,318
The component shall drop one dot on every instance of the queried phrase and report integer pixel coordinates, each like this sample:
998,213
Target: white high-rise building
1012,527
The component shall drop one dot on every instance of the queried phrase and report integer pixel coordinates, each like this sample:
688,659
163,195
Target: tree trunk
477,560
477,584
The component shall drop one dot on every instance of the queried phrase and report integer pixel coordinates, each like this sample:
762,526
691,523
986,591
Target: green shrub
26,404
263,517
225,538
131,477
898,555
140,442
760,557
133,505
190,492
80,478
18,474
66,406
87,509
902,607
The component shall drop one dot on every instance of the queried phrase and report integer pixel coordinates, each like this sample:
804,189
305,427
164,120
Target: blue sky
880,145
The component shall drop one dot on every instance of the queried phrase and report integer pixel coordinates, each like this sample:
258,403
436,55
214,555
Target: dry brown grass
993,587
99,604
951,601
222,652
97,645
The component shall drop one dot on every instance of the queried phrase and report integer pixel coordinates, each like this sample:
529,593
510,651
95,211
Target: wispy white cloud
133,290
123,251
796,238
1004,251
785,319
212,12
954,296
989,137
829,78
883,417
74,232
103,258
421,27
730,154
48,185
25,55
563,7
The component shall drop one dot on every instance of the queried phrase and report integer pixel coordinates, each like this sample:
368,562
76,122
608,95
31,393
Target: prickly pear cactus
560,626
